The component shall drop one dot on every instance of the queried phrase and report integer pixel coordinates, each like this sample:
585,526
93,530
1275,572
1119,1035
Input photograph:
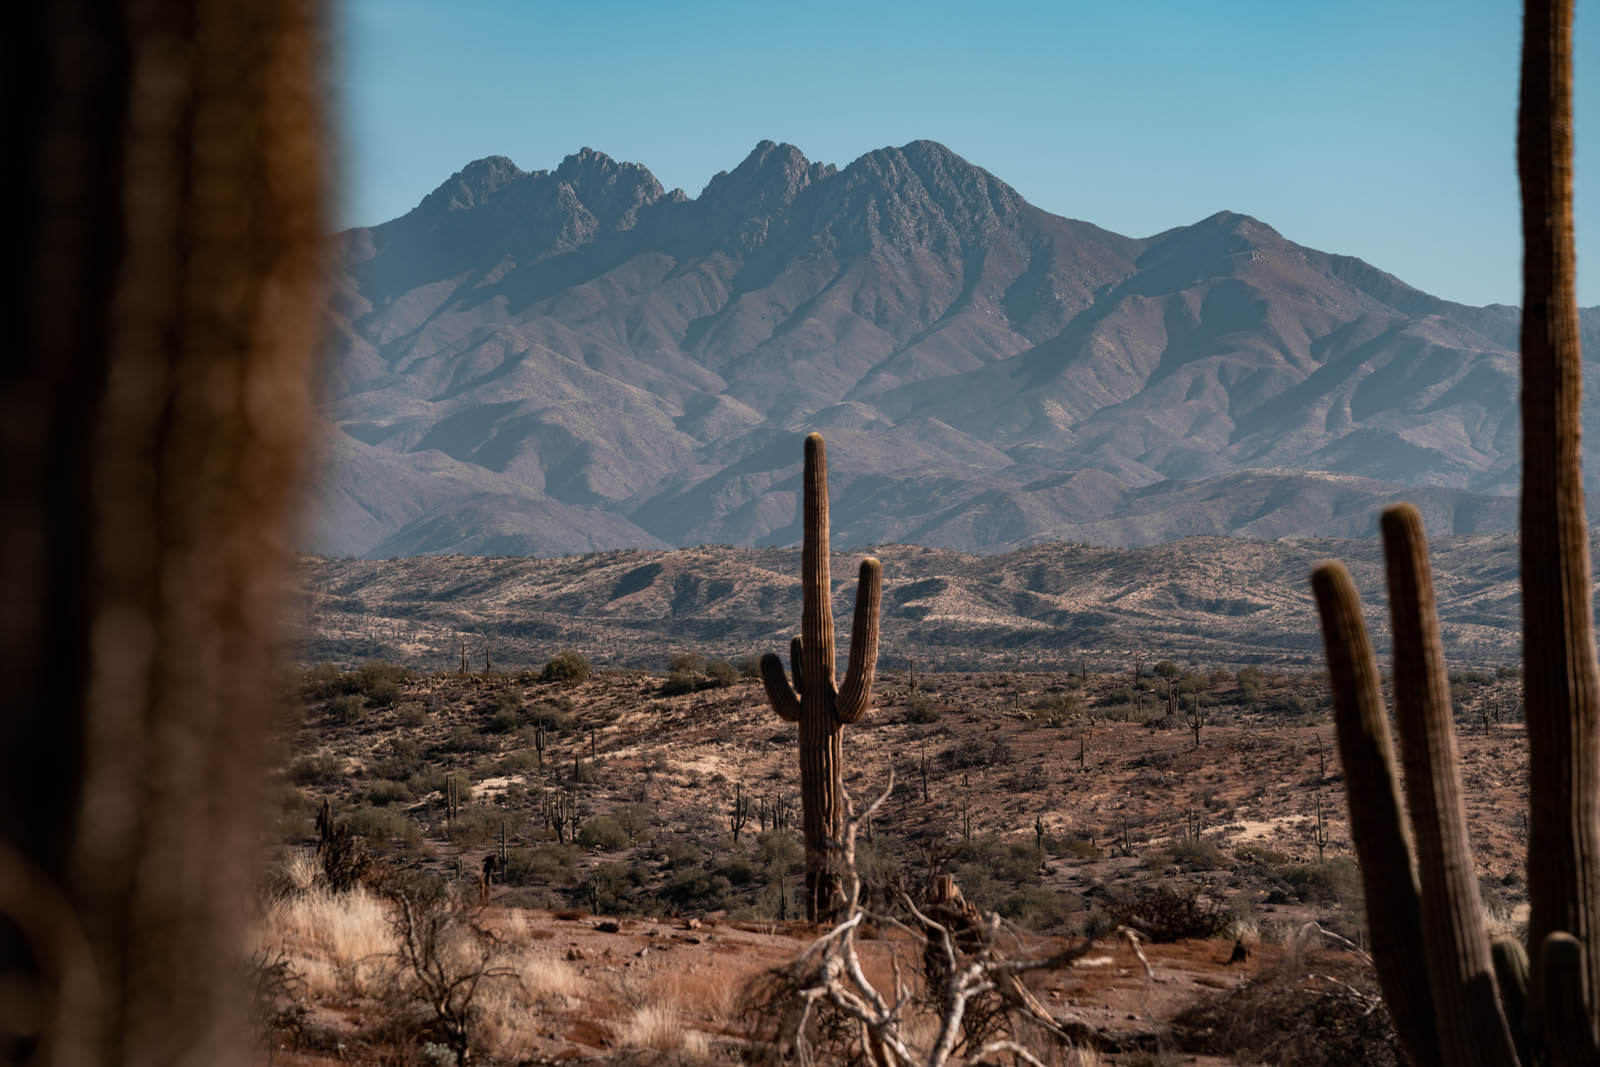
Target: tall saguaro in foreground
167,187
821,708
1457,999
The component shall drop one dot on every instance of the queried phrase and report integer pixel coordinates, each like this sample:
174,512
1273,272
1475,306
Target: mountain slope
564,360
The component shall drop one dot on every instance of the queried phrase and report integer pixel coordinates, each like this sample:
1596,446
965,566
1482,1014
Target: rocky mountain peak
613,191
472,185
765,184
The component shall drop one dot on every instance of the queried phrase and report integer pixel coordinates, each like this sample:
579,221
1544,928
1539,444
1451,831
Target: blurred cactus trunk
1455,997
169,230
820,707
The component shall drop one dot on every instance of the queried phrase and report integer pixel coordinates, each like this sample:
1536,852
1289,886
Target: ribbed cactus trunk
1561,679
1456,998
821,708
166,213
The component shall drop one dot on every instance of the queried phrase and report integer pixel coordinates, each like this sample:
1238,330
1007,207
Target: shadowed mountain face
569,360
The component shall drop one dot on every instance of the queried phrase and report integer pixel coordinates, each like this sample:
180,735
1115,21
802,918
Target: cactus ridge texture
820,707
1456,998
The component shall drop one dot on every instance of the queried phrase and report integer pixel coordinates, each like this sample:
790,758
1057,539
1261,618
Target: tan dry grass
340,942
660,1028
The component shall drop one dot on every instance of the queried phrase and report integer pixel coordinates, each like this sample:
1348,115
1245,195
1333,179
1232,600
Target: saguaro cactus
1455,998
821,708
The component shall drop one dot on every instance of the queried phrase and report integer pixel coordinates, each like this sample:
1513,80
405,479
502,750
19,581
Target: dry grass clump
340,943
659,1027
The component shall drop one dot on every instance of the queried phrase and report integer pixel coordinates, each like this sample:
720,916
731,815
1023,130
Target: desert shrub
1059,709
1197,854
680,682
517,761
426,780
749,666
411,713
349,708
384,792
679,850
381,825
552,716
1039,908
634,819
964,756
399,759
463,739
609,889
1077,848
503,721
722,672
383,694
1164,913
698,889
323,768
567,667
1278,1016
688,662
380,682
1015,863
326,680
741,869
919,708
475,826
779,851
542,865
603,832
1337,881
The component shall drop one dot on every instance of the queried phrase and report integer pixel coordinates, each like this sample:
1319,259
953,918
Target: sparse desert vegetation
643,856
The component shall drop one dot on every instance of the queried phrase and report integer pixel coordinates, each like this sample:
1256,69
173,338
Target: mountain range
552,362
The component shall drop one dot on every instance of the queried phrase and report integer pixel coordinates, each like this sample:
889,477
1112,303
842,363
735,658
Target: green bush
381,825
688,662
603,832
722,672
380,681
326,680
567,667
1336,881
1059,709
920,709
553,717
399,759
696,888
350,708
542,865
1039,908
680,682
384,792
1013,862
411,713
324,768
1197,854
503,721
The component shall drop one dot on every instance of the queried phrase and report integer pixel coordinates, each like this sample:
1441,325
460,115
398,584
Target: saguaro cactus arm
856,694
1377,825
1472,1027
784,701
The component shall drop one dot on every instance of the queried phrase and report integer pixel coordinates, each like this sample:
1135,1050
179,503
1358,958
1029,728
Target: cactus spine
1459,999
821,708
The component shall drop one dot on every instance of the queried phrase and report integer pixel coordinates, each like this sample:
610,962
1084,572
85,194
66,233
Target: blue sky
1380,130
